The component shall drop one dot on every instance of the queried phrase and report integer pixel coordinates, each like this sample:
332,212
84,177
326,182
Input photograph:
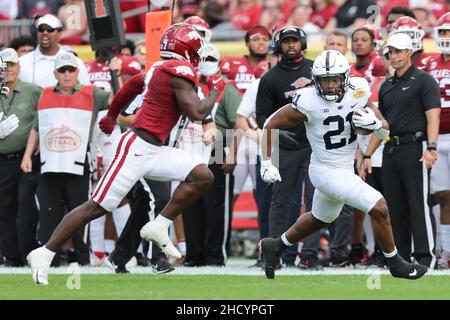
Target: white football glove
8,125
269,173
366,119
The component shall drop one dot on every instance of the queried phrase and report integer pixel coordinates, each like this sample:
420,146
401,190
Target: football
360,130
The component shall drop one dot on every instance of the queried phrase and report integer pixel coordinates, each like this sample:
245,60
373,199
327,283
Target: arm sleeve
264,102
231,102
430,93
128,91
100,99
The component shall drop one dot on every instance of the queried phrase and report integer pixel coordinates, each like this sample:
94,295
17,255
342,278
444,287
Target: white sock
390,254
120,217
50,254
182,247
96,234
285,241
163,221
109,245
445,237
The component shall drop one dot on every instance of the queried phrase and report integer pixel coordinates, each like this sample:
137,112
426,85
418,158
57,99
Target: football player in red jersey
439,67
369,63
414,30
201,25
168,93
241,69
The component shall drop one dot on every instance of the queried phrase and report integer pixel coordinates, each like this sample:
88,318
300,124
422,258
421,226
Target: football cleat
40,264
161,265
152,232
399,268
271,250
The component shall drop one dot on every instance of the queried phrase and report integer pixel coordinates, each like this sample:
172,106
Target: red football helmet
443,24
412,28
378,38
181,41
201,25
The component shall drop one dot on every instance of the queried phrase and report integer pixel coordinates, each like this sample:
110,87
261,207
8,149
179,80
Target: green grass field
223,287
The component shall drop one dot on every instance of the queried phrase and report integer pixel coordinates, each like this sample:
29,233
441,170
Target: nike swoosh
405,88
353,106
414,273
216,81
138,155
371,123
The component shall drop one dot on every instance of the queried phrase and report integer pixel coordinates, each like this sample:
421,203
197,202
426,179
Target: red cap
257,31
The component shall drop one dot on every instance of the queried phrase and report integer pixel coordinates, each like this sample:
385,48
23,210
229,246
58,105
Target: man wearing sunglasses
63,130
37,65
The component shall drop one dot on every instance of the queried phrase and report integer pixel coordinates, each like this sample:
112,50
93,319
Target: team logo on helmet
185,70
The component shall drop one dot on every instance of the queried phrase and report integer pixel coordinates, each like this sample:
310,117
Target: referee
410,102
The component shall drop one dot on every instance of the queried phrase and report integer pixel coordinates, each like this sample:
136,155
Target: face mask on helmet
208,68
443,42
332,87
330,74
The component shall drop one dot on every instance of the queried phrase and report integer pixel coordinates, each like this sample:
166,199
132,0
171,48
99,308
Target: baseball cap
65,59
400,41
50,20
292,32
9,55
257,31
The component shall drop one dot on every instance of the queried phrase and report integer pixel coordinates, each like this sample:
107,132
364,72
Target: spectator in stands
37,65
18,210
9,9
352,14
271,16
422,9
65,176
213,12
323,11
74,18
394,14
188,8
30,8
141,52
246,14
23,44
300,18
134,24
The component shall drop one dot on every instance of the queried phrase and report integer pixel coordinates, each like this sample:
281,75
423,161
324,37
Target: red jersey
374,69
160,112
321,18
245,19
440,70
421,61
100,76
239,70
375,88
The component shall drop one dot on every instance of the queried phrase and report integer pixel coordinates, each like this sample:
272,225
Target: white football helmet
209,60
331,63
412,28
443,24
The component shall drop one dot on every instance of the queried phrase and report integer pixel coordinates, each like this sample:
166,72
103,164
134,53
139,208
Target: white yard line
237,267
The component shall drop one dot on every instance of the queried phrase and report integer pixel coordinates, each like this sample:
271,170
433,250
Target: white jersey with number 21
329,130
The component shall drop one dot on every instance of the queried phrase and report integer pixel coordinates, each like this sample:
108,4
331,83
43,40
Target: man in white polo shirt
37,66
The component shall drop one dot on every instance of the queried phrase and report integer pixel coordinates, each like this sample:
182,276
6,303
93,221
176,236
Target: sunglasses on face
67,68
48,29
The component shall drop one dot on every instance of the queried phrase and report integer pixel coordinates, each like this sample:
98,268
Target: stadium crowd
52,151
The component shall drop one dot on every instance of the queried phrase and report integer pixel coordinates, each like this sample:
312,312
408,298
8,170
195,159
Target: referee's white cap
400,41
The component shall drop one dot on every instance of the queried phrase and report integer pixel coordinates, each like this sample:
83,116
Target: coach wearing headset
275,90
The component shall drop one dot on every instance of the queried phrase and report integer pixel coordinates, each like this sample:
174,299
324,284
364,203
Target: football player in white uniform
328,111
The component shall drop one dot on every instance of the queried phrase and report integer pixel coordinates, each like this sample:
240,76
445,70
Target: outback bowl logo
62,140
358,94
